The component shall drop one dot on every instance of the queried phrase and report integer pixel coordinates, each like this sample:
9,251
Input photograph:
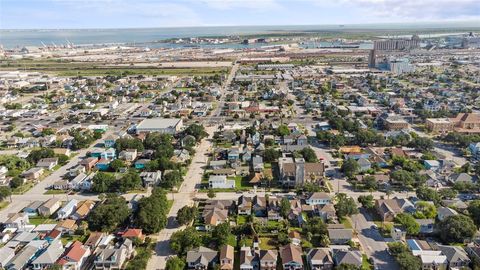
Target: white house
319,198
68,209
220,181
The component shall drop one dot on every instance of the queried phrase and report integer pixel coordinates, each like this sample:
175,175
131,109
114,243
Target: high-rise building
372,58
397,44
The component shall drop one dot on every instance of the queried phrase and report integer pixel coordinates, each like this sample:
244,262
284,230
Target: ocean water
17,38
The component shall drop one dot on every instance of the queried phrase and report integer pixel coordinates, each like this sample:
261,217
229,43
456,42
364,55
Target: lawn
232,240
71,238
41,220
272,223
23,188
267,243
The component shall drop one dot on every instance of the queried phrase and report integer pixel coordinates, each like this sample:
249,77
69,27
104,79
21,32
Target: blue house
365,165
141,163
109,141
32,208
233,154
103,164
96,152
475,150
110,153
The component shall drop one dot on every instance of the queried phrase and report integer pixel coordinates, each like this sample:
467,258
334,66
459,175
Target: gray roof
454,253
201,255
320,255
158,123
6,254
51,254
340,233
349,257
22,258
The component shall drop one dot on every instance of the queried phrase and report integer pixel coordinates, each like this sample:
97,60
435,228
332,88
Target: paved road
372,242
184,197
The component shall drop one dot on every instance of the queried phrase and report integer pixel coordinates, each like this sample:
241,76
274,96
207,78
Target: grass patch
54,191
4,204
23,188
241,220
268,243
346,222
232,240
72,238
365,264
41,220
272,223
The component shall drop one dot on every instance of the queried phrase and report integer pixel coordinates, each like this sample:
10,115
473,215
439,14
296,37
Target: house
457,257
431,164
6,254
68,209
444,212
141,163
89,163
32,208
180,156
460,177
17,221
49,207
220,181
389,208
257,164
23,257
245,205
133,234
319,198
47,163
340,236
94,240
226,257
295,237
353,257
218,164
214,216
109,141
103,164
151,179
294,172
161,125
75,256
83,209
50,256
268,259
233,154
291,256
201,258
33,173
320,259
128,154
326,212
60,185
77,182
431,259
259,206
475,150
426,225
66,226
113,257
248,259
364,164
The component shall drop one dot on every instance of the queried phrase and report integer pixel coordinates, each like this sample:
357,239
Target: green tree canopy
109,215
457,229
175,263
185,240
152,212
186,214
345,205
350,167
408,222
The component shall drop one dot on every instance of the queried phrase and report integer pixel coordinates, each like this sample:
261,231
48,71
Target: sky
64,14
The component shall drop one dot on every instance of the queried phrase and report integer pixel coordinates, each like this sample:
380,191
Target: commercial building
439,125
397,44
161,125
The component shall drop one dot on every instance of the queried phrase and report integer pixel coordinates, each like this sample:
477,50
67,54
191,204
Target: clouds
167,13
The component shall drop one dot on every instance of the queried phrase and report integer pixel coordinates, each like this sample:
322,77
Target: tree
316,226
103,182
155,139
396,248
38,154
152,212
370,182
285,207
457,229
175,263
16,182
283,130
350,167
347,266
129,181
109,215
447,193
407,261
422,143
186,215
221,233
185,240
425,210
309,155
171,179
5,192
129,143
196,131
62,159
366,201
428,194
270,155
211,193
117,164
474,211
345,205
404,177
408,222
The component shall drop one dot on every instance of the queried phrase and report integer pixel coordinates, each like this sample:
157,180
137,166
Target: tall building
397,44
372,58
